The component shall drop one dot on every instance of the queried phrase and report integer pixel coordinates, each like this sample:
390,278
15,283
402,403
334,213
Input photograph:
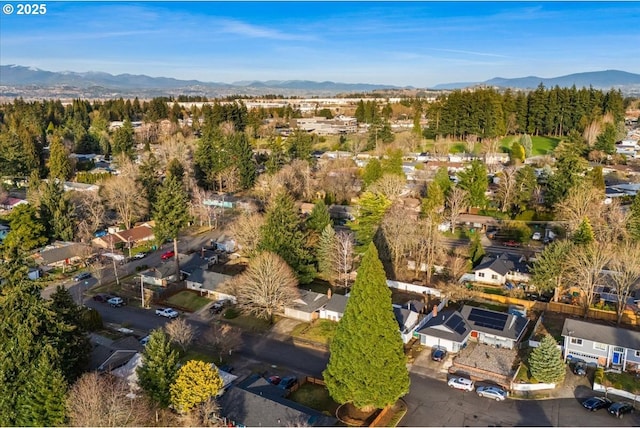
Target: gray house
307,306
334,309
208,283
603,345
494,328
448,330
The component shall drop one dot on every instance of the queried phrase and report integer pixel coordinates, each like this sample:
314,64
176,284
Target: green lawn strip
188,300
623,381
249,323
193,354
543,145
316,397
319,331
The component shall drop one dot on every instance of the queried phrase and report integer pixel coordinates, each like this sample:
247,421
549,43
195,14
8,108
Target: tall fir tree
159,367
59,164
476,250
372,171
365,372
319,217
546,363
56,211
584,234
474,180
123,139
633,225
372,207
283,234
242,158
171,213
325,252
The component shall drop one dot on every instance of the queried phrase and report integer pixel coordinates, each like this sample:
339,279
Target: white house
498,269
208,283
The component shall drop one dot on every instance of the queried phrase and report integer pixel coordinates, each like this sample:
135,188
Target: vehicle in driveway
274,380
116,302
461,383
81,276
218,306
167,313
101,297
619,409
493,392
580,368
287,382
439,354
596,403
167,255
140,255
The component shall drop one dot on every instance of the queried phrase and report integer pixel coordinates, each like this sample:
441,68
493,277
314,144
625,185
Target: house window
576,341
481,274
494,276
600,346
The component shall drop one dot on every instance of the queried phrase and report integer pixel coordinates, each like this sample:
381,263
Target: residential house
407,321
334,309
606,346
307,306
61,254
70,186
208,283
10,203
161,275
128,238
256,403
448,330
108,354
498,269
494,328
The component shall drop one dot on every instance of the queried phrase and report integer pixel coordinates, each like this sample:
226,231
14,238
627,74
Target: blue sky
411,43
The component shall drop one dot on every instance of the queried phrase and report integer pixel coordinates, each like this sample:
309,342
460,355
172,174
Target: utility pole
113,259
142,292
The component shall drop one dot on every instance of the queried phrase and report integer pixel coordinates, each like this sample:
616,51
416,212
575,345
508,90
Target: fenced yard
314,395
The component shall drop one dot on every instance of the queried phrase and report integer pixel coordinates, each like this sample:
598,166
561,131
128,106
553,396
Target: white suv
461,383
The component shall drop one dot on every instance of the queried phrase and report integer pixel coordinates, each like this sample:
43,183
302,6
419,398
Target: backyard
187,300
321,331
316,397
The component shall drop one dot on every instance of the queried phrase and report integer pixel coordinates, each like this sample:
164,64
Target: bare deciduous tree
224,338
613,228
180,332
507,188
591,132
266,286
296,178
90,211
199,209
471,141
205,414
105,401
426,244
585,266
583,201
626,273
344,252
390,185
397,230
338,177
123,194
457,203
457,265
246,231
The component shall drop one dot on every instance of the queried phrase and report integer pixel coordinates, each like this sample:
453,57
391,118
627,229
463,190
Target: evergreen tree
326,251
551,266
242,158
368,373
159,367
372,207
606,141
26,230
43,398
443,180
434,201
525,184
283,235
584,234
171,213
148,177
319,217
196,382
75,347
300,145
123,139
525,141
175,169
56,211
517,153
476,250
372,171
546,363
474,180
633,225
59,165
392,163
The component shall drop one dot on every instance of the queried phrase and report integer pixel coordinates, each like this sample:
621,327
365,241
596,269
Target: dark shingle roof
502,264
65,252
208,280
337,303
449,325
501,324
309,301
602,333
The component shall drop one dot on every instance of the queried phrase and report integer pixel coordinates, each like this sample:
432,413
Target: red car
168,255
511,244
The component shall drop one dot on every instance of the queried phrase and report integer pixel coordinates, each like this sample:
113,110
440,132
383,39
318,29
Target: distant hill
20,76
598,79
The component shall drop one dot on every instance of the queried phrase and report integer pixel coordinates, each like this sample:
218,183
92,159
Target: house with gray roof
407,321
497,269
208,283
160,275
494,328
307,306
602,345
255,403
108,354
448,330
334,308
62,254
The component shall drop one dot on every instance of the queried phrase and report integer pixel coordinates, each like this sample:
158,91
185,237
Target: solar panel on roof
493,320
456,323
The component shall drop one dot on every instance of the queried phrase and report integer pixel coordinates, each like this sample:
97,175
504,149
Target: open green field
541,145
188,300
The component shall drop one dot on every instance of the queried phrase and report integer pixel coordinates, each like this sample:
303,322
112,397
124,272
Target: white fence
531,386
608,390
403,286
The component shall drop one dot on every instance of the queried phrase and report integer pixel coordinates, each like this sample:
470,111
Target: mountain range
16,80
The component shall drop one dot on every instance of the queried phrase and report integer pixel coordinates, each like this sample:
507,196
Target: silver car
493,392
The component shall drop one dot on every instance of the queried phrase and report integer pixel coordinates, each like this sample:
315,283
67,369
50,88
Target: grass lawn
249,323
540,145
318,331
624,381
188,300
315,396
193,354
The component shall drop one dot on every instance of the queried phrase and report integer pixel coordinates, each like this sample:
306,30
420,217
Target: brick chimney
329,292
435,310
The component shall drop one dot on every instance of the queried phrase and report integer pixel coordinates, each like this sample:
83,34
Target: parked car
461,383
439,354
274,380
101,297
140,255
536,236
167,255
596,403
144,341
580,368
492,392
116,302
619,409
167,313
287,382
81,276
511,243
218,306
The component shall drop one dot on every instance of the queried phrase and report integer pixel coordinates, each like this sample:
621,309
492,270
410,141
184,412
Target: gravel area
485,357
